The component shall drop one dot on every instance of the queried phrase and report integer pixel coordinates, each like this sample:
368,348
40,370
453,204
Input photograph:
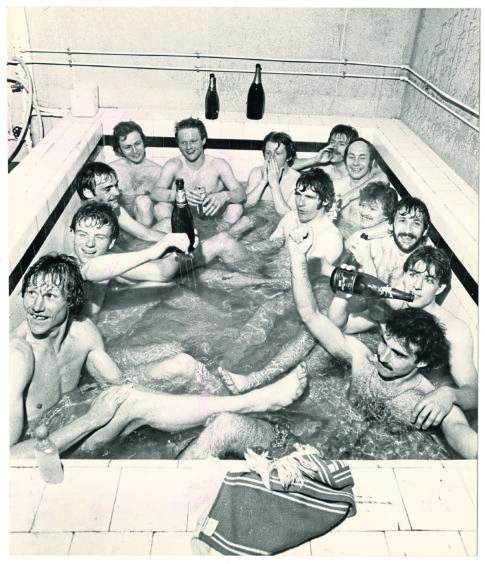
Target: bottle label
385,291
343,280
180,199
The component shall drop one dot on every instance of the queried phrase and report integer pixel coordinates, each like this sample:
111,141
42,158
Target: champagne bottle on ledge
353,282
255,103
182,220
47,455
212,99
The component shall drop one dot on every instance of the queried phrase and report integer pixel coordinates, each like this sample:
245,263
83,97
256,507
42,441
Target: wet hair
341,129
412,206
121,130
191,123
99,213
64,272
282,138
436,262
380,192
86,177
420,333
321,183
374,155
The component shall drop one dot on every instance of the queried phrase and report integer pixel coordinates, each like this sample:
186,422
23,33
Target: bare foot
282,393
236,383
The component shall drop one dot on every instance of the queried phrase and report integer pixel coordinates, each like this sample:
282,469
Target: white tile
468,471
173,544
379,503
469,540
40,544
425,543
151,499
26,489
436,499
83,502
350,543
111,544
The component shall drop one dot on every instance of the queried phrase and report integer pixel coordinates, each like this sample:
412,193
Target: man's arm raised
299,242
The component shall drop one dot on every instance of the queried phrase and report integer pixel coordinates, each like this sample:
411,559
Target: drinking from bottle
47,455
353,282
212,99
255,103
182,220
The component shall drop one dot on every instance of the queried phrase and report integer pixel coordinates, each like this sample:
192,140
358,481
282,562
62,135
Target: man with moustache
412,342
224,194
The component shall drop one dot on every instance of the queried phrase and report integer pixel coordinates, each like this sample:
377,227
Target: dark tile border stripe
241,145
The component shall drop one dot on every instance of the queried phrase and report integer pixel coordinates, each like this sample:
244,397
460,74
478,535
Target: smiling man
137,175
412,341
224,194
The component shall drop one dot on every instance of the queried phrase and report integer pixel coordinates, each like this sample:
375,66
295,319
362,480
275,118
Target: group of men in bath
62,294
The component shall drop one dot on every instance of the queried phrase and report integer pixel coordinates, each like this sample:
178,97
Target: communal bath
206,315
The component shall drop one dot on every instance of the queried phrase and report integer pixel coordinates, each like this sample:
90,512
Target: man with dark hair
98,181
412,341
137,174
49,349
279,153
94,229
224,194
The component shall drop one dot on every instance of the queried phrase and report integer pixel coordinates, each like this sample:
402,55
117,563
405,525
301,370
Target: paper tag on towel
209,526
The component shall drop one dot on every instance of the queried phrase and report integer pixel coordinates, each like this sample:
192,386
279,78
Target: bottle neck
257,75
180,198
212,82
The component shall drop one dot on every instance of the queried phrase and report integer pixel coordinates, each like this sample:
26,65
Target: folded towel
247,518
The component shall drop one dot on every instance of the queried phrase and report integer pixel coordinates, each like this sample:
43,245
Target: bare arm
319,324
136,229
459,434
163,191
377,175
321,158
21,372
237,194
257,182
111,265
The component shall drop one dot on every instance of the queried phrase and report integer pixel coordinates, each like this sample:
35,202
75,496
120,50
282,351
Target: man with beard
383,258
137,175
224,194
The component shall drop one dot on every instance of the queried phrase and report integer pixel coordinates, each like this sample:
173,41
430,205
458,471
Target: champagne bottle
47,455
182,220
353,282
255,103
212,99
348,257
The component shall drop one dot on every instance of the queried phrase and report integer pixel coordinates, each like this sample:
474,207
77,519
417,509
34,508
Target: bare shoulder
118,164
217,163
20,346
454,326
85,332
152,164
175,163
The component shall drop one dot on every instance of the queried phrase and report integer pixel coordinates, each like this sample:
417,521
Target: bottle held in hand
201,192
362,284
182,220
47,455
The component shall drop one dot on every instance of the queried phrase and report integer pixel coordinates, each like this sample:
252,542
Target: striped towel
249,519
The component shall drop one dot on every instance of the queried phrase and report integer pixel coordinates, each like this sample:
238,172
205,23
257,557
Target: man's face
132,147
339,143
45,306
358,161
371,213
190,143
422,282
394,361
278,151
106,191
307,204
408,230
91,239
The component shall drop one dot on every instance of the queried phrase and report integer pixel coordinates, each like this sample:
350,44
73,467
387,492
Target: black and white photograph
243,279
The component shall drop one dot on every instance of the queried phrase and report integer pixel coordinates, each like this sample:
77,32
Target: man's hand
299,240
215,201
274,173
106,404
324,156
359,247
178,240
433,408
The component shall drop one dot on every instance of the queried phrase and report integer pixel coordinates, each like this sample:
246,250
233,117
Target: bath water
209,315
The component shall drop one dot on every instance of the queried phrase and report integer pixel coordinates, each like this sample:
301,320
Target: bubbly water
211,315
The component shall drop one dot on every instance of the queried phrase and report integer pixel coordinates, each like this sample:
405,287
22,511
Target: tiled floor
404,508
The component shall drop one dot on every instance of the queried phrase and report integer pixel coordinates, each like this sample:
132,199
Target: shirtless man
384,258
98,181
412,342
137,175
376,204
224,194
94,228
276,173
50,348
